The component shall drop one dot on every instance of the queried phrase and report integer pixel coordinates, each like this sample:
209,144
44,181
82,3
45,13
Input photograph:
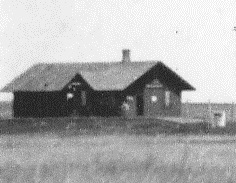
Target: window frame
167,98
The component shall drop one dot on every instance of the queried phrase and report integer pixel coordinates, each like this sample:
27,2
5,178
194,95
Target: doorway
140,105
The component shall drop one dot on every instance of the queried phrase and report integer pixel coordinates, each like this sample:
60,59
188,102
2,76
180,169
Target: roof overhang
165,76
99,76
173,78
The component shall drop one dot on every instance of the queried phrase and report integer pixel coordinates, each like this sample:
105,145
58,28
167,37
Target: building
124,88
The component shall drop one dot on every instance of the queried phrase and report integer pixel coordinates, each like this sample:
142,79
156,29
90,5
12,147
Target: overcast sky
194,38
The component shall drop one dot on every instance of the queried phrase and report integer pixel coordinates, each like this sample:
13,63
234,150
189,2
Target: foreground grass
115,158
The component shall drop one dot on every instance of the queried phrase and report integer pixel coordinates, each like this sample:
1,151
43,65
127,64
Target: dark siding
154,109
140,105
55,104
159,107
175,104
105,103
39,104
80,104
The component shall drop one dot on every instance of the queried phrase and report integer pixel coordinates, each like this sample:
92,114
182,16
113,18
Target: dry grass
115,158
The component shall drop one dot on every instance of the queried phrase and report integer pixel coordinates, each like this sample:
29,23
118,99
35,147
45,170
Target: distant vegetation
5,110
201,110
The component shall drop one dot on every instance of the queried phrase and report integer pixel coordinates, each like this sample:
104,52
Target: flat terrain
117,158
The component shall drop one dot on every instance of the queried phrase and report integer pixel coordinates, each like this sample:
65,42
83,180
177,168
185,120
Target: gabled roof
100,76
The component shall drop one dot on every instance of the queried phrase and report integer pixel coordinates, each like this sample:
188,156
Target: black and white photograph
117,91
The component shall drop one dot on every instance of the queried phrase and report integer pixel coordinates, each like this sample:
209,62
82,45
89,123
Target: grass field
116,158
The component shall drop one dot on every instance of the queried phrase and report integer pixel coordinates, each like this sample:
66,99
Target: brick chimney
126,55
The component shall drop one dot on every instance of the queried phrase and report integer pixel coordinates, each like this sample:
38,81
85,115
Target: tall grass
114,158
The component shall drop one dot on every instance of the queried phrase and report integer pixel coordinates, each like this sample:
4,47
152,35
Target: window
74,85
154,84
131,98
154,99
70,95
167,98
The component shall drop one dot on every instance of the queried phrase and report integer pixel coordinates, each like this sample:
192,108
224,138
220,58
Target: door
140,105
154,99
129,107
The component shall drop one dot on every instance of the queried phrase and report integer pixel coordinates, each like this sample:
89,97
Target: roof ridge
97,62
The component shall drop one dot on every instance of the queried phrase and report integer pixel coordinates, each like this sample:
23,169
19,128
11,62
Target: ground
117,158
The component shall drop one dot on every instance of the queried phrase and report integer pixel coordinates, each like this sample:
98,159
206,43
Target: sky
196,39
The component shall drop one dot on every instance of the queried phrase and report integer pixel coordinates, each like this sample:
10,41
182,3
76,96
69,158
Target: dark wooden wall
139,88
159,107
56,104
105,103
154,108
39,104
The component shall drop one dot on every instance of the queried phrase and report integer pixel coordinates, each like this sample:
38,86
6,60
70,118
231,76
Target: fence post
210,115
232,112
187,110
